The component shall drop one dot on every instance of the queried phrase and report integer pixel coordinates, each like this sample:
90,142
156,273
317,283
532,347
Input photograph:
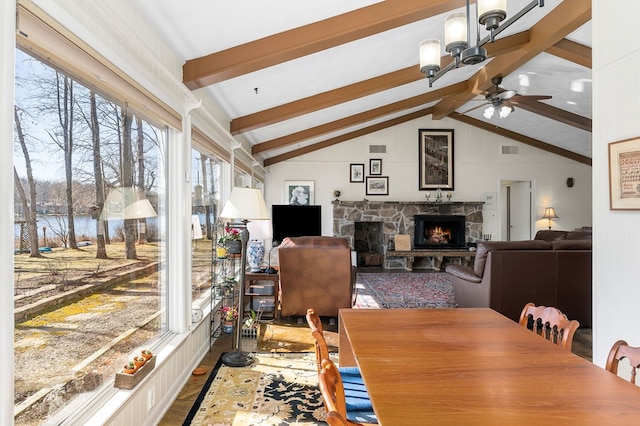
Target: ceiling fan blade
507,94
476,107
530,98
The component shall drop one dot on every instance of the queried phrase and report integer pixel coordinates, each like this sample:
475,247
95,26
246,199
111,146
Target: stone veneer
397,218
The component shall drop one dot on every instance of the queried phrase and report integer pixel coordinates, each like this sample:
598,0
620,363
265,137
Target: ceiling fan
502,101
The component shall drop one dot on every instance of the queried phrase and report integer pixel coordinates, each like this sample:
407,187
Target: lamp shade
549,213
259,229
126,203
247,204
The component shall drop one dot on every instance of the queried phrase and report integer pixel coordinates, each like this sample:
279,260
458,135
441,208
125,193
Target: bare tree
142,222
101,252
65,141
29,206
127,182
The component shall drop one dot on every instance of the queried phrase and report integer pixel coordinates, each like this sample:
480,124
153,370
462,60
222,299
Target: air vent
509,150
377,149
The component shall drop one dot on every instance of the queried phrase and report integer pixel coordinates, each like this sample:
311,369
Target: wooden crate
129,381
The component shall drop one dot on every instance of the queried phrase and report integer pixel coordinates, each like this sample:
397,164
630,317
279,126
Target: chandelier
457,36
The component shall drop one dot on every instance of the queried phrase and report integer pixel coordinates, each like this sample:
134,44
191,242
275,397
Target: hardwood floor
582,346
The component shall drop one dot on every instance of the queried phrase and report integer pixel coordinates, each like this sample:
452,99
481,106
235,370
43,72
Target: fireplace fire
439,231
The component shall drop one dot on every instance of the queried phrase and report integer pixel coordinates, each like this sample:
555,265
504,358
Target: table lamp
549,213
244,204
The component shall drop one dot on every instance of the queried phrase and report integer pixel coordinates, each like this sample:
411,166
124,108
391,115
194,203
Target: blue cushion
362,416
349,371
357,401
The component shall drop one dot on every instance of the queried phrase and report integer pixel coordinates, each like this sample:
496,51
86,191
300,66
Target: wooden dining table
474,366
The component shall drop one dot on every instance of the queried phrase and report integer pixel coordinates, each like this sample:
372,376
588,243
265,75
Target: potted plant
230,240
146,354
129,368
139,361
229,315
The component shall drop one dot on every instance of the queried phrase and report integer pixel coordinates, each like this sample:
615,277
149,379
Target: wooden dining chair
322,349
619,351
334,398
550,323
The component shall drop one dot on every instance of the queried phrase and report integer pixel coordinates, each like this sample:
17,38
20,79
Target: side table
258,280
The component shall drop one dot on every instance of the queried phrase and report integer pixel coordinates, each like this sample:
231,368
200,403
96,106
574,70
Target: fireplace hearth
439,232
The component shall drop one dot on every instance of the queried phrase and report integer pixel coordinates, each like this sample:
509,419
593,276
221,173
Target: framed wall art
624,174
377,185
435,158
375,166
299,192
356,173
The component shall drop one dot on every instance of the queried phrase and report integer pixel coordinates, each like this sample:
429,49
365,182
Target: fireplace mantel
396,217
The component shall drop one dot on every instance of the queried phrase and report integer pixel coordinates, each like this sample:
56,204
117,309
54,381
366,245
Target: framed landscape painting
377,185
624,174
299,192
435,158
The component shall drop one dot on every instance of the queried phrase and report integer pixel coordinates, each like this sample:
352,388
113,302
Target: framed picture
624,174
375,166
378,185
299,192
356,173
435,158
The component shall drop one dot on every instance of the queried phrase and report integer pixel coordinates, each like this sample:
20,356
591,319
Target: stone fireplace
370,226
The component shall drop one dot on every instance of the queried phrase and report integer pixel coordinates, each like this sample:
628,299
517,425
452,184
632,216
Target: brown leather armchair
315,272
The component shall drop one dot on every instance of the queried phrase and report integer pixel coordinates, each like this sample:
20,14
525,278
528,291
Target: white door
517,209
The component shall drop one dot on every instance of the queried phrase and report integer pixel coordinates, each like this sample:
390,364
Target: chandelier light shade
458,29
549,213
430,56
491,13
455,34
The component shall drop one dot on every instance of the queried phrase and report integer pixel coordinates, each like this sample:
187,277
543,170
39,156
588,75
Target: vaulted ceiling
294,77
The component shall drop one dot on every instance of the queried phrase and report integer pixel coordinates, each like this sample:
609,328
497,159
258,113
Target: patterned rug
404,290
277,389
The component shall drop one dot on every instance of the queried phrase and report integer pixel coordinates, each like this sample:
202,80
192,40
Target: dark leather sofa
315,272
553,270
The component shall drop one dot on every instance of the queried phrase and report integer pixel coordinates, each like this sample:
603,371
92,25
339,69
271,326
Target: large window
89,239
206,172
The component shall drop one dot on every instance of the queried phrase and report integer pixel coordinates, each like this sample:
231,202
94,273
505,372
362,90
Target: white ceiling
196,28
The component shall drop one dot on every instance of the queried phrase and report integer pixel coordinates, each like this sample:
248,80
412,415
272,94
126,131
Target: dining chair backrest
619,351
550,323
322,349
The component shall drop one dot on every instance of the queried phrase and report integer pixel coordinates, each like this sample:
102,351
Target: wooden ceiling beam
356,119
347,136
572,51
520,138
557,114
357,90
309,39
553,27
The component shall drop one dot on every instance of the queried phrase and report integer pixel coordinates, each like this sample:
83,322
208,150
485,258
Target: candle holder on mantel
438,195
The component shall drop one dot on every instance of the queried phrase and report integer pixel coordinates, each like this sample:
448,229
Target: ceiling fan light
488,113
455,33
505,111
491,13
430,56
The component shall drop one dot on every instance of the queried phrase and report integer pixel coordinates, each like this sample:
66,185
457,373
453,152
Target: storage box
402,242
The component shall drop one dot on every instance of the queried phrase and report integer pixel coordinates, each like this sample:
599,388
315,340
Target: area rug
277,389
404,290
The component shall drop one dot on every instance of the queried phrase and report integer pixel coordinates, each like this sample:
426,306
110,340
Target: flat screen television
295,221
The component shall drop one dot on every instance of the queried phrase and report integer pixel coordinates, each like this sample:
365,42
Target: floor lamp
244,204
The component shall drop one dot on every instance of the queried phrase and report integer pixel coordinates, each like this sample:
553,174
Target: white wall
616,63
478,169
